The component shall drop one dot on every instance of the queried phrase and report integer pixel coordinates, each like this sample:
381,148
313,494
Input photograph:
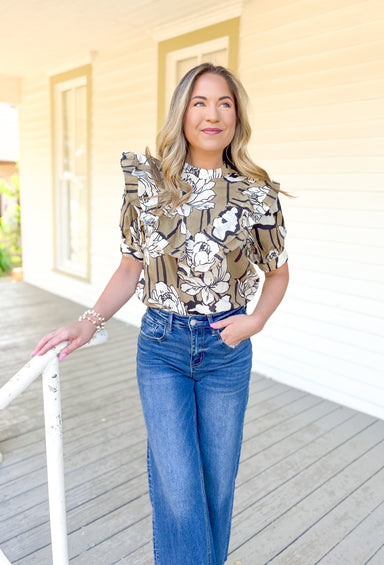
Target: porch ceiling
46,34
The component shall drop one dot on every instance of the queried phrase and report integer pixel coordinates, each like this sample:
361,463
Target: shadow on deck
310,488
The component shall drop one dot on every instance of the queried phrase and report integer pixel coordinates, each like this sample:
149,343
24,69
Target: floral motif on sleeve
257,195
146,189
132,241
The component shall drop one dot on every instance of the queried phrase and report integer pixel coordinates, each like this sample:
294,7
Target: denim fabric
194,392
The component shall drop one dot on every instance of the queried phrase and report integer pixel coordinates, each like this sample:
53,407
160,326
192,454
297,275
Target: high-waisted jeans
194,391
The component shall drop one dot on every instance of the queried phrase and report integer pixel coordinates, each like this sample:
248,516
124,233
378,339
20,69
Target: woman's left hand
237,328
240,327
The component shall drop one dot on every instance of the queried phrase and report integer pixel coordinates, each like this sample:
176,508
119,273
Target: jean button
193,322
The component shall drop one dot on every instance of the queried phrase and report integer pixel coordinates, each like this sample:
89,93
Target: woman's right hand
78,334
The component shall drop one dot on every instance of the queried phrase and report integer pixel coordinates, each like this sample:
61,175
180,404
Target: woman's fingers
222,323
46,343
75,344
77,334
237,328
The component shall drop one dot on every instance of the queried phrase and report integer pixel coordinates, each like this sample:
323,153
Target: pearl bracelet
90,315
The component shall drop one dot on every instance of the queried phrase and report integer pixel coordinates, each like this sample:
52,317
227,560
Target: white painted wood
48,366
23,378
55,462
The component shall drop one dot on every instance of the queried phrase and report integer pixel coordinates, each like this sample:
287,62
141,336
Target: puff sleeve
131,235
266,247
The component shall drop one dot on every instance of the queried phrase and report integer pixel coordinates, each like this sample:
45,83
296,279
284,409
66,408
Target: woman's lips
212,131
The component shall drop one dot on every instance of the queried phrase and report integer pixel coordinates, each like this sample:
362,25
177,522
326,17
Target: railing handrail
35,367
47,365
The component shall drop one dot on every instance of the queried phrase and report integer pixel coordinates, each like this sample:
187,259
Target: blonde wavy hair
172,145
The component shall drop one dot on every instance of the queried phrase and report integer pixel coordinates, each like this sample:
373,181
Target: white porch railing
48,366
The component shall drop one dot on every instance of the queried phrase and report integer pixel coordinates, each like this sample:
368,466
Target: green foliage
10,232
5,261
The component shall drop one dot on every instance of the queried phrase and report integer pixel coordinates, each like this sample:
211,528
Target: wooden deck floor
310,489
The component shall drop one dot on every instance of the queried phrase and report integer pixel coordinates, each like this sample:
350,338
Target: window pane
67,129
219,57
72,198
183,66
81,131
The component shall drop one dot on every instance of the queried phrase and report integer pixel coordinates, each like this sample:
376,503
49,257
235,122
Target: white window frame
197,50
61,212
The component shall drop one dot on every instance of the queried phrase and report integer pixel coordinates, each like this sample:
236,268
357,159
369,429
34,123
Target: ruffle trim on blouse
217,229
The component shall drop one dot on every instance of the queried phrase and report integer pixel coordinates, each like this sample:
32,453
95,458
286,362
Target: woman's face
210,121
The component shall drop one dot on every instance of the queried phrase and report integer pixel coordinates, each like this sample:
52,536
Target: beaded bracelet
89,315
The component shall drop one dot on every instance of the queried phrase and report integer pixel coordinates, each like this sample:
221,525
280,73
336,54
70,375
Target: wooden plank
287,426
320,536
141,556
262,475
289,451
82,487
266,527
360,543
278,407
131,536
377,558
82,464
98,518
108,434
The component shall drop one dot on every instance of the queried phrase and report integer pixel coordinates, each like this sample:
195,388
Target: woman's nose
212,113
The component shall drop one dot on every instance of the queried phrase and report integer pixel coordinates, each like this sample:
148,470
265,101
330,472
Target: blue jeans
194,391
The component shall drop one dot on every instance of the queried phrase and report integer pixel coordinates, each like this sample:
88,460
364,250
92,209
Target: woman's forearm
118,291
120,288
272,293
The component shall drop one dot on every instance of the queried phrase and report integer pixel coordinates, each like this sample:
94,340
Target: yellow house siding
314,74
125,109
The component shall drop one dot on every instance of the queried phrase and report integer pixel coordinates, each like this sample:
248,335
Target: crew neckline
203,173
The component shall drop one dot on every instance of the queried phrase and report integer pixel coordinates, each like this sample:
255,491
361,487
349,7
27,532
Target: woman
193,223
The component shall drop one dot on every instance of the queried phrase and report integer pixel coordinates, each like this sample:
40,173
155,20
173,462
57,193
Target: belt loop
170,320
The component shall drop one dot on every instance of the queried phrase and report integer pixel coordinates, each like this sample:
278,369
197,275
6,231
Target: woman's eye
199,104
225,104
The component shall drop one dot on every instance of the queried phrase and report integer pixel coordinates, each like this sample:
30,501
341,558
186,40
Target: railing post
48,366
55,465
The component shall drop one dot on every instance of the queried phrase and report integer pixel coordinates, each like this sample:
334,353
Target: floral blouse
200,258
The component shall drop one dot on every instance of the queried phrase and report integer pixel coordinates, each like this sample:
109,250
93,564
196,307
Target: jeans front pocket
222,342
152,330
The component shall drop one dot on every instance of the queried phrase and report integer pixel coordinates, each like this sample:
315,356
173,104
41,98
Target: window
70,94
178,62
216,44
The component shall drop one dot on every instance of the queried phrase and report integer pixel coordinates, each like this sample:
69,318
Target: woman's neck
204,160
